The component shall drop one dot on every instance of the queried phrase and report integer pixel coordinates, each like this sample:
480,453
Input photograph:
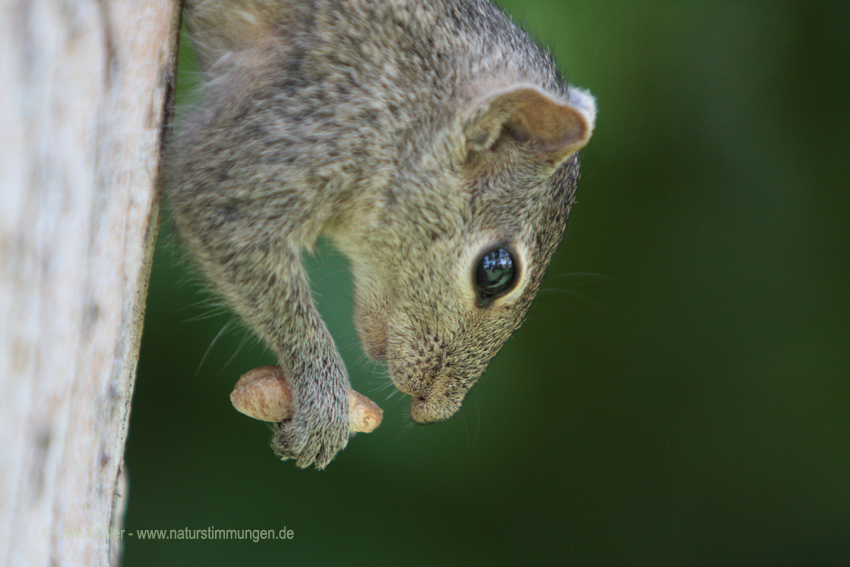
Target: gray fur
411,133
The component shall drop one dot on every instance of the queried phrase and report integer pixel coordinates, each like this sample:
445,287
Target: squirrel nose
432,409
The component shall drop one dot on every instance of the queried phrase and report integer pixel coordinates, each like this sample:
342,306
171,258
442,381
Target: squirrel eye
495,273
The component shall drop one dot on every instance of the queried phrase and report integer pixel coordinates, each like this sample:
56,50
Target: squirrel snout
436,397
434,409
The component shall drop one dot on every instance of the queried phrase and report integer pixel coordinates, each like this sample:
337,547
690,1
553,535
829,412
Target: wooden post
84,88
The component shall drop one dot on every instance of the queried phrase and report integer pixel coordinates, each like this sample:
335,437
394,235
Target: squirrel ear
557,128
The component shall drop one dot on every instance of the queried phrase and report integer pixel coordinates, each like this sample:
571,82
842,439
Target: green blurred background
679,394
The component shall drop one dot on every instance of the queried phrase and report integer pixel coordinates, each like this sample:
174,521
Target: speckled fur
389,127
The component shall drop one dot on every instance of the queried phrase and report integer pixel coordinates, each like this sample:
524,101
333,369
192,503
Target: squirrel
432,142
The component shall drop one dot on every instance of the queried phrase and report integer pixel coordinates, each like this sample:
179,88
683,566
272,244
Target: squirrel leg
264,279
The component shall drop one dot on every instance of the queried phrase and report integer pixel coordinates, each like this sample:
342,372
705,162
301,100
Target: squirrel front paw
314,434
265,394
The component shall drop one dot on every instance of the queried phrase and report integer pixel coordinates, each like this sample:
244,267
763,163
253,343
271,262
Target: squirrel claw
309,446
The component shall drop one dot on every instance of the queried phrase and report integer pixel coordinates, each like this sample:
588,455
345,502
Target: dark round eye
495,273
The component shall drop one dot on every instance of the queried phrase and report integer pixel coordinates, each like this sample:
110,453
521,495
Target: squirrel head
453,257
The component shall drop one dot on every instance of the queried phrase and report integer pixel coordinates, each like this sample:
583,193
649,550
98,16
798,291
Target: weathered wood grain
84,88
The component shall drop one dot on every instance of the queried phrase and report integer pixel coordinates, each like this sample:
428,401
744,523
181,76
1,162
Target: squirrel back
430,140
